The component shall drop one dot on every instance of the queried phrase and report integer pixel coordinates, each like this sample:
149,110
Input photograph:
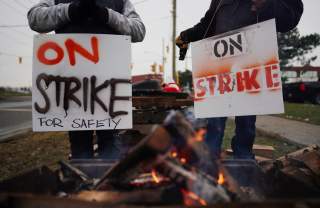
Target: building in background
301,74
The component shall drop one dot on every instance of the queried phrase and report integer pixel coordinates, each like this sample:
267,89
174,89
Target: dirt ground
33,150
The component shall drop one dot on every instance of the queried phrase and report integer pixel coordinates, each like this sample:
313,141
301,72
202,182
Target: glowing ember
155,177
183,160
174,154
190,196
221,179
200,135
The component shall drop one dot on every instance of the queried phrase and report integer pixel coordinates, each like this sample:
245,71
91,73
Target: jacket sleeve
46,16
198,31
127,23
286,12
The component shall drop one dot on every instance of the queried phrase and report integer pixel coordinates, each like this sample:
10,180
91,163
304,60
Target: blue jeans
241,143
81,144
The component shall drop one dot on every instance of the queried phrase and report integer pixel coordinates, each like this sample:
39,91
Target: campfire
171,166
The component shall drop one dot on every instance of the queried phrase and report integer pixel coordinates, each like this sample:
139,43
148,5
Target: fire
199,137
174,154
191,197
155,178
221,179
183,160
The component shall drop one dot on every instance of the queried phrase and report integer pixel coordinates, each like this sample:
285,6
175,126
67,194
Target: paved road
15,116
299,132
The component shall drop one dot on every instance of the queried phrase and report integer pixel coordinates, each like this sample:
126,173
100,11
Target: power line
20,4
12,26
140,2
16,41
13,8
28,36
14,55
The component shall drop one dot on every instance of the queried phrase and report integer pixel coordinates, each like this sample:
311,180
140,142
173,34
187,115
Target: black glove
101,14
80,10
183,46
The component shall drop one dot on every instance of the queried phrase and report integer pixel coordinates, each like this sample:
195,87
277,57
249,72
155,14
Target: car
154,88
171,87
302,92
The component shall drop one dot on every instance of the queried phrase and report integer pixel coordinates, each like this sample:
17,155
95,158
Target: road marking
15,110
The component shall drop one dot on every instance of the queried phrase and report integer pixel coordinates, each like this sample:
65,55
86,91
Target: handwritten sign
238,73
81,82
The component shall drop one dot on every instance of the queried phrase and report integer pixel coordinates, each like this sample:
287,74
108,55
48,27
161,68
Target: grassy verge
6,94
308,113
37,149
281,147
30,151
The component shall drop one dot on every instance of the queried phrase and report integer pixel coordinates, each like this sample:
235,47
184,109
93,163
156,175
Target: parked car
302,91
154,88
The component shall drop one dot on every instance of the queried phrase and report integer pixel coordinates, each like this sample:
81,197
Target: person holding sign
224,16
116,17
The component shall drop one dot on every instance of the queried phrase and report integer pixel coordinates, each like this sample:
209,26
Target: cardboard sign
238,73
81,82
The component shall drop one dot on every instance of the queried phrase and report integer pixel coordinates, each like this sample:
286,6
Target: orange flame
192,196
174,154
221,179
154,176
200,135
183,160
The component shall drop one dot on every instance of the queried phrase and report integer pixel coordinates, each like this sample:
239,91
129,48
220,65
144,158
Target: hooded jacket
233,14
51,15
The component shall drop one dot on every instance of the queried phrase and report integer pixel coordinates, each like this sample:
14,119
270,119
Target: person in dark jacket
89,16
227,15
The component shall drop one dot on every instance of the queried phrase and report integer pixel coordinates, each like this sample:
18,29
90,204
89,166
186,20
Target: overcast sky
156,14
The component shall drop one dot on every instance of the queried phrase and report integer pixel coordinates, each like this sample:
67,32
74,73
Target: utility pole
163,53
174,21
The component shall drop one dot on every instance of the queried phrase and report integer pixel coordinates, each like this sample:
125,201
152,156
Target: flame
155,178
174,154
199,137
221,179
183,160
192,196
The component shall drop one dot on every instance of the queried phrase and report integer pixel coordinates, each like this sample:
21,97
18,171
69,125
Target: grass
281,147
30,151
6,94
308,113
34,150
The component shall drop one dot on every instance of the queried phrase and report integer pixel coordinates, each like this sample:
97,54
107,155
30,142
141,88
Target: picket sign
81,82
238,73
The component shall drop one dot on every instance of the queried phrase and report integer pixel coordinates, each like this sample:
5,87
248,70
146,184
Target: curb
272,135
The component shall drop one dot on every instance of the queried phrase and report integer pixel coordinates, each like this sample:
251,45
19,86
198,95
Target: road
15,116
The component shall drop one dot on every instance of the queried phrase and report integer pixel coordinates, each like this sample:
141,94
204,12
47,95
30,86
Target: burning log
195,182
154,151
140,158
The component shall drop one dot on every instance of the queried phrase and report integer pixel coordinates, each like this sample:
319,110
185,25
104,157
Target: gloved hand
183,45
101,14
80,10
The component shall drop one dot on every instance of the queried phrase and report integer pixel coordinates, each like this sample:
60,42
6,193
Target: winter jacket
234,14
48,16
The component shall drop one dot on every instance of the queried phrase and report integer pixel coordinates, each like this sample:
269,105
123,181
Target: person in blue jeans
241,143
226,15
116,17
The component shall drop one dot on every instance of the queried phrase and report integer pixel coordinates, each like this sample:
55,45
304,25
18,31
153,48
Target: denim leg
108,144
81,144
243,140
215,133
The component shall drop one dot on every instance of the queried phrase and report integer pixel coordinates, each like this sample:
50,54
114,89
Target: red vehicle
171,87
